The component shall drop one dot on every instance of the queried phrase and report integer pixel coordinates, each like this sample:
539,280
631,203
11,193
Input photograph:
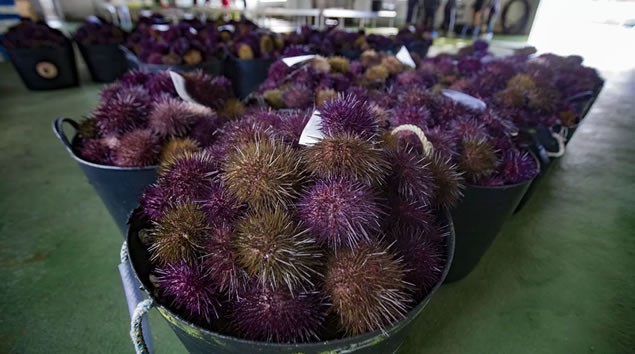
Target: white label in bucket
403,55
179,85
465,99
228,28
312,132
291,61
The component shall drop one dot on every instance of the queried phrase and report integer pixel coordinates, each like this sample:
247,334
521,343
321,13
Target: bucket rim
361,340
510,186
58,129
109,167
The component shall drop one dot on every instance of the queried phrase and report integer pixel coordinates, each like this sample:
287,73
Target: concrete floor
558,279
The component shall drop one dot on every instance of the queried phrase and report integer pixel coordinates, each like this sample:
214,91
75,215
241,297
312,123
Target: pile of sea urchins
265,238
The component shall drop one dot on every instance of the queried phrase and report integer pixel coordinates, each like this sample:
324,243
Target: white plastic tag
312,132
161,28
291,61
179,86
465,99
405,58
229,28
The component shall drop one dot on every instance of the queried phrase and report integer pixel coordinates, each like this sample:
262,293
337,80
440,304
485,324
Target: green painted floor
559,278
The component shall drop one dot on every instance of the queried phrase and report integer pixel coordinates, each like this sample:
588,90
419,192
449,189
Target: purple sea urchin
189,176
137,148
423,254
219,258
517,167
348,114
408,114
191,290
291,126
134,78
348,156
160,83
179,235
339,212
298,97
95,150
408,212
263,172
126,111
208,91
367,288
204,131
468,128
410,174
219,206
172,117
153,202
477,158
448,180
276,315
443,141
273,248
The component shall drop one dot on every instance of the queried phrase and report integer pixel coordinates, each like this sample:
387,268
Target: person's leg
476,18
432,17
411,9
493,15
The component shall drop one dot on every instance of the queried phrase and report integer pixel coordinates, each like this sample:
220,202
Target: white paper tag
465,99
229,28
312,132
291,61
405,58
179,86
160,28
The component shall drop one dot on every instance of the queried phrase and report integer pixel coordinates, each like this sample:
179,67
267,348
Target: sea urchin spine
367,288
340,212
273,248
276,315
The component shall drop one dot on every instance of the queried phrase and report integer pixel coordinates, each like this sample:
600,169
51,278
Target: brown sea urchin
263,172
366,288
273,248
179,234
349,156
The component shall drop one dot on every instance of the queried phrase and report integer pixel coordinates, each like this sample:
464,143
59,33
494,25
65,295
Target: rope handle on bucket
560,138
136,330
136,327
58,129
428,149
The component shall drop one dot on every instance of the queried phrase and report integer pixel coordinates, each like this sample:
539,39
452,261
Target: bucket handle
560,137
428,149
137,308
131,58
58,129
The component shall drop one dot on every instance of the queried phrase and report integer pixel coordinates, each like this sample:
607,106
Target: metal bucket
105,62
477,220
45,68
246,75
199,340
119,188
